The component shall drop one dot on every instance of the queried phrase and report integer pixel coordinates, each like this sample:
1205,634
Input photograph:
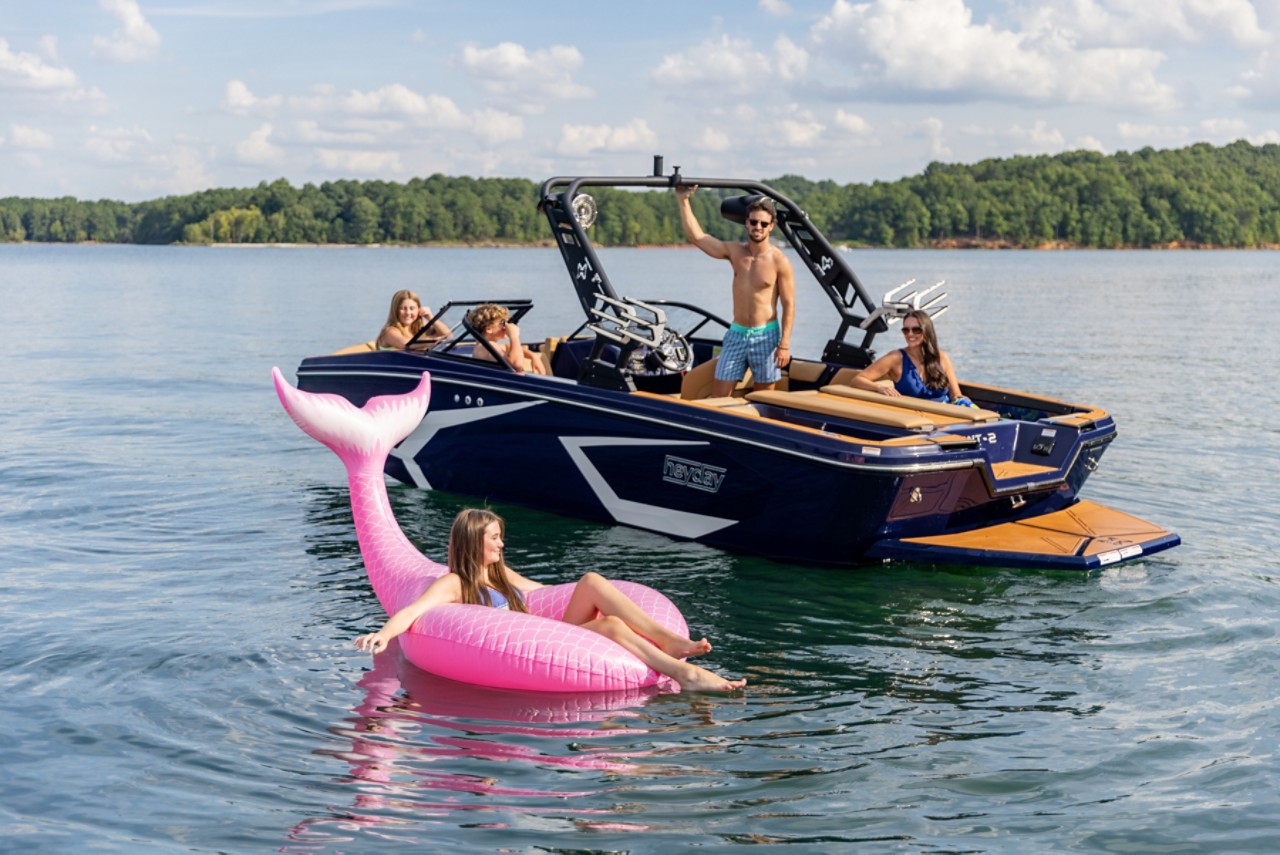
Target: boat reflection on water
402,749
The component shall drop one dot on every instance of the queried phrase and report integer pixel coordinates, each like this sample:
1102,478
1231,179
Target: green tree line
1199,195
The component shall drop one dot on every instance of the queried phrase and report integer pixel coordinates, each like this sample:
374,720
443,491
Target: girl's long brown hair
393,316
466,558
934,375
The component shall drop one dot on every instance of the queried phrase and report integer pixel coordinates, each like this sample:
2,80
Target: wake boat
622,429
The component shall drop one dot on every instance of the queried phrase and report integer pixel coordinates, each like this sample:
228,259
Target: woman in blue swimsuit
919,370
479,575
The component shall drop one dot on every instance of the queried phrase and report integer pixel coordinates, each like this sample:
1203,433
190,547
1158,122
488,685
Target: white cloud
394,101
49,46
178,170
852,123
22,136
114,144
1260,85
494,126
777,8
586,139
360,162
509,70
367,132
242,102
28,72
1151,134
1037,138
714,68
399,100
936,47
797,134
1088,143
793,60
309,131
1225,130
1107,76
794,128
932,128
713,139
1153,23
1040,136
257,148
134,40
1238,18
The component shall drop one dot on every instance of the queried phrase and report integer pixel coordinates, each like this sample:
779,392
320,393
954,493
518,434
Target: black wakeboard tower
571,212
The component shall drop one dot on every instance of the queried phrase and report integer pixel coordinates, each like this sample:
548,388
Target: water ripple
181,583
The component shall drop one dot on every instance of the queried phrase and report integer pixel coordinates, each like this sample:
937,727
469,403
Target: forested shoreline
1199,196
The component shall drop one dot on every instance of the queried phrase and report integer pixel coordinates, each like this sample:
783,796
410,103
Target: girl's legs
594,593
688,675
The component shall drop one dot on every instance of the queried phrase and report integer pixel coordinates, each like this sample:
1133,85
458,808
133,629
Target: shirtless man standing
762,279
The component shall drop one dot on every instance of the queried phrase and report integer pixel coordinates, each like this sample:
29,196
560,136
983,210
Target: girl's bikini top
496,599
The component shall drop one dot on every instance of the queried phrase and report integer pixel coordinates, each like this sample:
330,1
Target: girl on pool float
478,576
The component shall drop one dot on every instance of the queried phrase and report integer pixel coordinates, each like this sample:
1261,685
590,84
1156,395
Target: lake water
180,583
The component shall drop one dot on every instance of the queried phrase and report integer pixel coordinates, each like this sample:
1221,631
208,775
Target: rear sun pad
831,405
937,408
1085,536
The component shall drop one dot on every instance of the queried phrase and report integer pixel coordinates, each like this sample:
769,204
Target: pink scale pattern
473,644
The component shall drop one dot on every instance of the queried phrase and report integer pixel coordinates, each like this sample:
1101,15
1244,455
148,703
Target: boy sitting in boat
492,321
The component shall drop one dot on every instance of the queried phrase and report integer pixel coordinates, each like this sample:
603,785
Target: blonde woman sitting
406,318
492,322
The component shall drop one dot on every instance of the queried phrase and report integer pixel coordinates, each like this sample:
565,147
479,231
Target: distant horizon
130,101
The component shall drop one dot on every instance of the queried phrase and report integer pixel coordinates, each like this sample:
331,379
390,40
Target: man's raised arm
713,247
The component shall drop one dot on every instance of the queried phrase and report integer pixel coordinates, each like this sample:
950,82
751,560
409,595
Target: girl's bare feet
701,680
684,648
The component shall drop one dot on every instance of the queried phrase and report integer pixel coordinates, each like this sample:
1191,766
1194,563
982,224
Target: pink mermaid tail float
472,644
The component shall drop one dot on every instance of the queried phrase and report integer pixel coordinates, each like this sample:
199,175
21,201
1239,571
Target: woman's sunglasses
913,330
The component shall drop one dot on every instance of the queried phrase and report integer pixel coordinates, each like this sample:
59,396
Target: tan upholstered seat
834,405
736,406
844,377
802,371
697,381
362,347
548,351
920,405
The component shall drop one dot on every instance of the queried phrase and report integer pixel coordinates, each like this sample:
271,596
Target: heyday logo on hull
691,473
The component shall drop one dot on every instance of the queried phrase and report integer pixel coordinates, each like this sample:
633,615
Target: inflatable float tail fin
362,438
371,430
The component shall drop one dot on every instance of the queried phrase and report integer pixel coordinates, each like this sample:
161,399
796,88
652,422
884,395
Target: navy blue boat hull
741,485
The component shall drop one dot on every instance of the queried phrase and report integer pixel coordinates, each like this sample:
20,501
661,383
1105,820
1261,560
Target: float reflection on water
397,740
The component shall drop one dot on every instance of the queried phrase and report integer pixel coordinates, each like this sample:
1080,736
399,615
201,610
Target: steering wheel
673,352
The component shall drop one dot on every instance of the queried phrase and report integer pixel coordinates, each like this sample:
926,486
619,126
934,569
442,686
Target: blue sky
128,99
